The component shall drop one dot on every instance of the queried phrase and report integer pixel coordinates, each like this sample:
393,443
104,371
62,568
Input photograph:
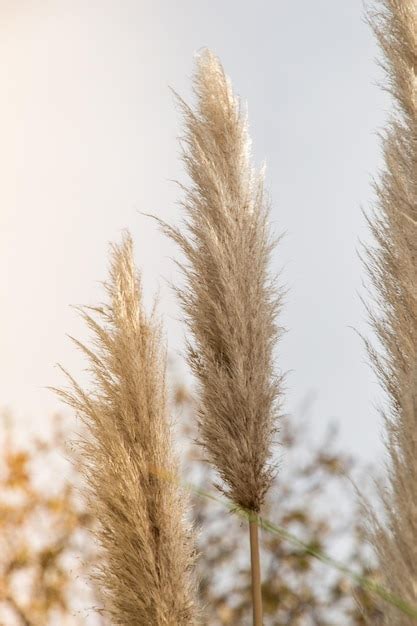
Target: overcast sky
89,139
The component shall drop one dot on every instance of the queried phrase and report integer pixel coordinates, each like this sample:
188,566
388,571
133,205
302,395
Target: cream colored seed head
145,572
392,265
230,300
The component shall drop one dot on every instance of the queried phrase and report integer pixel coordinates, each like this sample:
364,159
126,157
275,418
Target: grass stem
256,572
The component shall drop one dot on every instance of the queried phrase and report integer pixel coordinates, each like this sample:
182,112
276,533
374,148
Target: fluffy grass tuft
146,569
229,300
392,265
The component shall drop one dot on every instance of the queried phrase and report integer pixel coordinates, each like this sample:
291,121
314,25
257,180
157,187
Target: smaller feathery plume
392,266
130,469
230,301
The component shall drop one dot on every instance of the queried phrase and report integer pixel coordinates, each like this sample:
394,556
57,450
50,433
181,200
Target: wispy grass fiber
147,545
230,300
392,265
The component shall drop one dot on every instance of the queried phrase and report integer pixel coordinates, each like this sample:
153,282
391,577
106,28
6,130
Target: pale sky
89,139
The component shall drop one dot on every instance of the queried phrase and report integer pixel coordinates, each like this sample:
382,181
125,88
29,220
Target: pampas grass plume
392,265
230,301
146,569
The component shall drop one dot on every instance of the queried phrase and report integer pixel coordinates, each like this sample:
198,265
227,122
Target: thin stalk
255,571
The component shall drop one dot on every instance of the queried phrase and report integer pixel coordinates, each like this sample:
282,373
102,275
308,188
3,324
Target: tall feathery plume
229,299
392,265
131,472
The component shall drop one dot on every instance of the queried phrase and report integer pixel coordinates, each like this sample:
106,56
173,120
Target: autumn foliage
44,547
46,551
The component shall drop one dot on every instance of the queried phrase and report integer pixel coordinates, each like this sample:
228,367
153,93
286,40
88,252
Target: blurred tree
44,547
46,552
